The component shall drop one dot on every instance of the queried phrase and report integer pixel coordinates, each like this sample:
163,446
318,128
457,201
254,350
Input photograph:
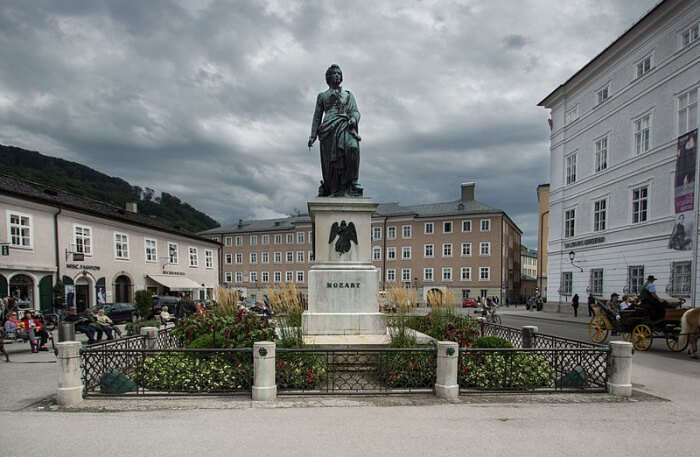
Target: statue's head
333,72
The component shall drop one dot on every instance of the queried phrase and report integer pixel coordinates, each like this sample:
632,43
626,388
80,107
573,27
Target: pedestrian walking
574,304
591,300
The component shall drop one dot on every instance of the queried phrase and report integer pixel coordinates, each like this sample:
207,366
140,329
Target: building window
253,258
447,250
571,115
290,238
194,257
278,239
310,238
484,273
391,233
680,279
391,275
239,241
376,233
687,111
228,276
566,285
466,273
253,277
277,257
485,225
266,239
571,169
239,276
253,240
300,276
289,276
239,258
428,250
466,249
300,256
406,275
277,276
310,256
447,227
301,237
427,274
228,259
569,223
635,279
484,248
172,253
208,258
428,228
690,35
376,253
265,276
151,248
121,245
642,129
265,257
406,232
644,66
640,204
406,253
82,239
597,281
466,226
228,241
20,228
290,256
600,208
447,274
603,94
601,154
391,253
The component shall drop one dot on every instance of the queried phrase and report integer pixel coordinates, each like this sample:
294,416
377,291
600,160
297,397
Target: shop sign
75,266
174,273
588,242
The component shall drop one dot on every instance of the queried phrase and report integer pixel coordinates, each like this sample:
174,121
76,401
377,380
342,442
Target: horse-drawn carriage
636,325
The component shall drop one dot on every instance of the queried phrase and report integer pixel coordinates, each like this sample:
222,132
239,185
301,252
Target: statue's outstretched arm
316,122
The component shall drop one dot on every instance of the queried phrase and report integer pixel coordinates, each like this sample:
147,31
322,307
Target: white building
616,125
122,251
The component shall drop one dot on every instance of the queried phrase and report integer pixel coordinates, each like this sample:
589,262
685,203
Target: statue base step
343,323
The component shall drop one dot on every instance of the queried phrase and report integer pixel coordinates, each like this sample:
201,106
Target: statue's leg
353,171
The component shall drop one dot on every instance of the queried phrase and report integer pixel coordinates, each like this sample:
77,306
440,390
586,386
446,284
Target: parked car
469,303
119,312
173,304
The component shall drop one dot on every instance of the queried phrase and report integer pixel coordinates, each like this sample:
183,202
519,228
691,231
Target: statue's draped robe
340,149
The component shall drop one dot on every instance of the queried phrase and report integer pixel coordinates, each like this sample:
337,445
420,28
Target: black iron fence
523,370
366,371
514,335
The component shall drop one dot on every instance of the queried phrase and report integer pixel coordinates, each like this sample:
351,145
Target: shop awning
173,282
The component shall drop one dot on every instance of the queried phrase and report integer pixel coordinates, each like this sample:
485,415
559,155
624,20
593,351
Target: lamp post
415,285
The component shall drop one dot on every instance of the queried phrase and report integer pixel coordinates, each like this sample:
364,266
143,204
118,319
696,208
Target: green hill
81,180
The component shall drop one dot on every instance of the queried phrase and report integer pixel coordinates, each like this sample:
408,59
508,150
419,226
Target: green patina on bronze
335,124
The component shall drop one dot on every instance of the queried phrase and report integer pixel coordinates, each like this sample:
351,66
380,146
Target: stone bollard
528,335
620,360
70,386
150,335
446,385
264,387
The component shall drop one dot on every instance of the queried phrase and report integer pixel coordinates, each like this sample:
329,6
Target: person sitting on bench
106,322
165,316
35,328
82,324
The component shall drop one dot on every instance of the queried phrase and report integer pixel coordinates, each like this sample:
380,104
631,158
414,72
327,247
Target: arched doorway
122,289
434,297
82,294
22,289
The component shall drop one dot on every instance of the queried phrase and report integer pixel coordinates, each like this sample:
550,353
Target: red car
468,303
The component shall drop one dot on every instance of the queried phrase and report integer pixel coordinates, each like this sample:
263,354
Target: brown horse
690,328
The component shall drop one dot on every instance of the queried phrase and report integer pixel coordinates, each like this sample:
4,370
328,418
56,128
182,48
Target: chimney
468,191
132,207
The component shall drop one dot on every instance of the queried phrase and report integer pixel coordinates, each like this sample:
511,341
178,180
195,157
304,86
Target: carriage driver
651,301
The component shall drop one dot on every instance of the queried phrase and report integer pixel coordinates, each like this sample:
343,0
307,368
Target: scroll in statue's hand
311,141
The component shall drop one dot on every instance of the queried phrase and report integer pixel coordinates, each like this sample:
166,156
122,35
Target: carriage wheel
673,341
642,337
598,330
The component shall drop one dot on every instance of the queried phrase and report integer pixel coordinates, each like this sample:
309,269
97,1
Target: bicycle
492,317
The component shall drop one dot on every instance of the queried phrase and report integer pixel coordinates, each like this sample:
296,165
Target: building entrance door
122,290
82,297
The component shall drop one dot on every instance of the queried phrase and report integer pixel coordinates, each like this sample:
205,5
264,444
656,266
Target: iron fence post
528,336
150,335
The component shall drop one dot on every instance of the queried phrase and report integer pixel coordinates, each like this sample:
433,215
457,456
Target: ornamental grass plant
287,305
404,301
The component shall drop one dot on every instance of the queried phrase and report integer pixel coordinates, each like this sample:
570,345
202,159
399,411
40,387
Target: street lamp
572,255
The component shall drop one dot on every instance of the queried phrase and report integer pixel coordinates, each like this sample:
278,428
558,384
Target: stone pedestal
343,286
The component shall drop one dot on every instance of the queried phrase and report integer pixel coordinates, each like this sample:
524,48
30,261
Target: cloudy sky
212,100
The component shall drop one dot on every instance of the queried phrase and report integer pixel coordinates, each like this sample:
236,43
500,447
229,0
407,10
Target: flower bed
407,369
504,371
300,371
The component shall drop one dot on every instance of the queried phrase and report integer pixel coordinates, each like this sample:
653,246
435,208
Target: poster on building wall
684,198
70,296
101,296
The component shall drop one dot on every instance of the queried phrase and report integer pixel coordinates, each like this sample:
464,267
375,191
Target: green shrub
134,328
239,331
492,342
446,326
207,341
512,370
300,371
188,372
143,301
407,369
